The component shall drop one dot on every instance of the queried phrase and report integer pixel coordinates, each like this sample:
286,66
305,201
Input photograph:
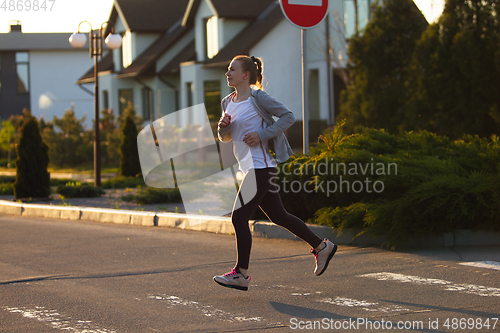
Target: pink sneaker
233,279
323,257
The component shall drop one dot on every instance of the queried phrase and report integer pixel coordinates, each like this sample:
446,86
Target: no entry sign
304,14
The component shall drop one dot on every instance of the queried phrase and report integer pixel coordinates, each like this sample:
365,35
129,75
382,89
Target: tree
129,154
455,73
7,137
113,131
379,60
71,143
32,177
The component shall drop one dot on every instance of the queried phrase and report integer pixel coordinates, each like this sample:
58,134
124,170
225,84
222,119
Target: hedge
395,186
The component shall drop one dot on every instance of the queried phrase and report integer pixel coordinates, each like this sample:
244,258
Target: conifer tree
379,59
129,155
32,177
455,73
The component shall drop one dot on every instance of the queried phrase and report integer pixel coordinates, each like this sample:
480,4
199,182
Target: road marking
207,310
303,291
446,285
57,320
365,305
483,264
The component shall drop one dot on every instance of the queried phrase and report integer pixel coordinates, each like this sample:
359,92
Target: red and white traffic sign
304,14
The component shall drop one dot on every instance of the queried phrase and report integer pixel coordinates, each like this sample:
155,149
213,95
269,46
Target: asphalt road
90,277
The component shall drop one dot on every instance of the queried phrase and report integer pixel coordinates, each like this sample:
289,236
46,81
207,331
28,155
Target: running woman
247,121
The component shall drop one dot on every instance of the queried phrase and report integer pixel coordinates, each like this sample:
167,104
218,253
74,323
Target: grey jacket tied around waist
267,107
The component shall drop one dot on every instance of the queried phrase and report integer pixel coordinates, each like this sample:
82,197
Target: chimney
15,27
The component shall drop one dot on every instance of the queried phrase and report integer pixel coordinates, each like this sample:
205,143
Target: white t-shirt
244,120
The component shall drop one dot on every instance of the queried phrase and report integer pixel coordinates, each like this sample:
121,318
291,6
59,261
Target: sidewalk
216,224
111,209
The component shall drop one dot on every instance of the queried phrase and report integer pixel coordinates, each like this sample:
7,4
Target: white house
175,53
38,72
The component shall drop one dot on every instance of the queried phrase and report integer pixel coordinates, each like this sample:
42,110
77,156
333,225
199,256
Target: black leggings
269,201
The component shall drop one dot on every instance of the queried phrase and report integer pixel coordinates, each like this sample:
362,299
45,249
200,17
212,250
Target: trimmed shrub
6,189
77,190
150,195
123,182
129,155
60,181
32,177
396,186
7,179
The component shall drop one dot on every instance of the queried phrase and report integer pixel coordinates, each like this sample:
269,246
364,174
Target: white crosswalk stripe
483,264
446,285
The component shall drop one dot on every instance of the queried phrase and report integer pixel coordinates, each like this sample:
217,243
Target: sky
65,15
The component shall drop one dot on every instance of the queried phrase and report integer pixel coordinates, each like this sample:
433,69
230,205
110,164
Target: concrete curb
223,225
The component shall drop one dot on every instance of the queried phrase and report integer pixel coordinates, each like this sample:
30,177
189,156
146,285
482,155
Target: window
0,73
22,68
126,49
125,99
105,99
363,12
212,99
190,99
212,36
146,104
189,92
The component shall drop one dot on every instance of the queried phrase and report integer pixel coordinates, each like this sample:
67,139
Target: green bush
435,185
59,181
32,177
7,179
150,195
123,182
6,189
129,155
4,162
77,190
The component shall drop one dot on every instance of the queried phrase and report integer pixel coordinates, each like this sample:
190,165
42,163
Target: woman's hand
251,139
225,120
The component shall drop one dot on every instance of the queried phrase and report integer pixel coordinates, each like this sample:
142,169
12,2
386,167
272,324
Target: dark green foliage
32,177
150,195
455,73
435,185
6,188
71,144
379,60
7,179
123,182
59,181
443,78
129,155
77,190
53,181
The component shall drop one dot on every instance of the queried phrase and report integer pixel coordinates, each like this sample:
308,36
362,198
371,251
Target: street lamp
113,41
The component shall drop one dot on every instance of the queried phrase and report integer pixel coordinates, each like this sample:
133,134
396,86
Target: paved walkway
111,209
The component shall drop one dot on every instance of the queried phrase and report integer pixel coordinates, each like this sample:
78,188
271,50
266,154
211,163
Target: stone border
223,225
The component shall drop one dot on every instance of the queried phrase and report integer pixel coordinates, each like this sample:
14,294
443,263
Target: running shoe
233,279
323,257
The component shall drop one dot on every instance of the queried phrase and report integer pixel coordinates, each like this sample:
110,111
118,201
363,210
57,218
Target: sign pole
305,99
304,14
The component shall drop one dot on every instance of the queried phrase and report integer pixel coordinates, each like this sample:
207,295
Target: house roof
235,9
16,40
187,54
145,63
105,65
266,14
248,37
149,15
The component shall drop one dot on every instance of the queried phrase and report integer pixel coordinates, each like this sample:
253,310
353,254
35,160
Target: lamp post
113,41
